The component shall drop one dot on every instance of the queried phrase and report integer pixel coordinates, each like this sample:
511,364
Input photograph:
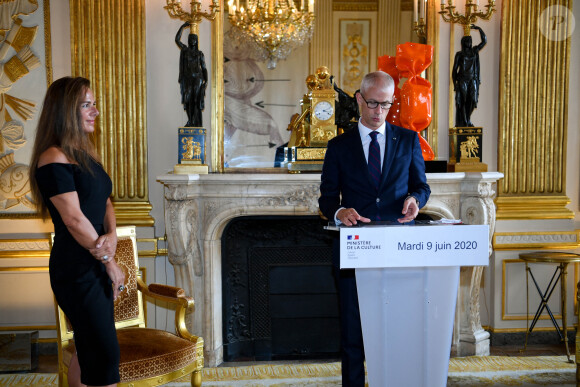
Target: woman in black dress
69,184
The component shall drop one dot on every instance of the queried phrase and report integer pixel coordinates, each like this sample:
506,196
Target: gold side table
562,260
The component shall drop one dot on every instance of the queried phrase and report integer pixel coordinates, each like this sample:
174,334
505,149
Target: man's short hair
374,78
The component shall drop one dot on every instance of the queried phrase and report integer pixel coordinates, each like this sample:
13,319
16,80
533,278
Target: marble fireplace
199,207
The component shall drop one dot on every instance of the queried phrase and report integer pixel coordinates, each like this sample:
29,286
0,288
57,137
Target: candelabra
419,17
275,26
419,28
194,16
472,13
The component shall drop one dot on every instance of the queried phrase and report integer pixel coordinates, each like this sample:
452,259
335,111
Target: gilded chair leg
196,379
62,379
577,357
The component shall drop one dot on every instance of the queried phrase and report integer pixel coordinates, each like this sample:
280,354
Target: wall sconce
471,13
419,17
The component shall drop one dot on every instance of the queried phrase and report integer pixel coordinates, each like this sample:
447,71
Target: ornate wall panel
108,47
533,100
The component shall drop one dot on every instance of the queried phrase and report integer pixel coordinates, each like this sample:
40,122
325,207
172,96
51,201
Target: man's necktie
375,159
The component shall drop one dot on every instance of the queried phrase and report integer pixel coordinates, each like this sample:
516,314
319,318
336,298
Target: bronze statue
346,107
192,78
466,80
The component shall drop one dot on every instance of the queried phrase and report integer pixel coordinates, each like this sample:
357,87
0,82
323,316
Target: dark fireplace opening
279,295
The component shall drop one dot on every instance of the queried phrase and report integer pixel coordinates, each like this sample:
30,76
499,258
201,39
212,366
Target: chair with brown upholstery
149,357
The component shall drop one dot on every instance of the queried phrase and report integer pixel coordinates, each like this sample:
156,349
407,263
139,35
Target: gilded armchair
149,357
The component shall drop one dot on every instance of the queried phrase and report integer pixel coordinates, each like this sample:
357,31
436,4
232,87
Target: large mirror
259,102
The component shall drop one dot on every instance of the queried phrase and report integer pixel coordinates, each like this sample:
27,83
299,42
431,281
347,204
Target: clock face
323,111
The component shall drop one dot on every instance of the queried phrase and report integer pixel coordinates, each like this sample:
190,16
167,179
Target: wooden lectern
407,281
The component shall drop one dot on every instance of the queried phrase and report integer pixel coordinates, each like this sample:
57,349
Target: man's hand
410,210
349,217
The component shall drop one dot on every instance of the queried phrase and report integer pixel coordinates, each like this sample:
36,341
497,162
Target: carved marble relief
17,60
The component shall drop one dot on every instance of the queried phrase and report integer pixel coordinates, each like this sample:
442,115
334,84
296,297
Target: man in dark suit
363,181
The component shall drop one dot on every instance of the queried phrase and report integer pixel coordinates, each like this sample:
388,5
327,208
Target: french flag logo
352,237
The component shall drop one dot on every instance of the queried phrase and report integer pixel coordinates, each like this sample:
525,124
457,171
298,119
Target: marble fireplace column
184,251
477,207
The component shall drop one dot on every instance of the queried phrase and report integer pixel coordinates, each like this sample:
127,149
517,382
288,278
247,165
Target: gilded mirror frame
216,150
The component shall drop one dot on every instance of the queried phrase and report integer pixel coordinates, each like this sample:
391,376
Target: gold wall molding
108,47
533,207
533,100
321,45
40,248
518,330
32,328
432,73
356,6
47,42
24,248
388,34
217,92
535,240
24,269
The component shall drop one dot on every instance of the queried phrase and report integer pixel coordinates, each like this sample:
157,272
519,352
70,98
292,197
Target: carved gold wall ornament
355,58
533,116
24,37
14,179
14,183
14,8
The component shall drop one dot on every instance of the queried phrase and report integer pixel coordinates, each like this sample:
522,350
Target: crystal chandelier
276,26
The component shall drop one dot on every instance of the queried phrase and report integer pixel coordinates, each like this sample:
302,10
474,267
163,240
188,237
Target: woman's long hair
60,125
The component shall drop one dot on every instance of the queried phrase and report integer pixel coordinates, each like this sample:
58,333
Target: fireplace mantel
198,208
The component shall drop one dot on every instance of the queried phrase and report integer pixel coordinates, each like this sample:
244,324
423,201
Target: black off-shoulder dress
80,283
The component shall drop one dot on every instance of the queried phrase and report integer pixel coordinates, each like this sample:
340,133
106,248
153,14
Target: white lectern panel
407,321
413,246
407,281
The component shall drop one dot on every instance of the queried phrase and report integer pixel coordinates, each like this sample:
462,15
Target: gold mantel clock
314,127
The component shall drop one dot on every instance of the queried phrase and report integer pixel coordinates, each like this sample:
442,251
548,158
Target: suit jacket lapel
391,143
361,162
361,165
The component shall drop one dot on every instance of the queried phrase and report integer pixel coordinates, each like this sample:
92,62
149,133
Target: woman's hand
105,246
117,275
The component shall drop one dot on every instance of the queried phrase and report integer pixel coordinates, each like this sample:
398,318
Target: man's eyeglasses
374,104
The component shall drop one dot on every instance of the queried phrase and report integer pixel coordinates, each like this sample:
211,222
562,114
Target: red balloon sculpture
411,107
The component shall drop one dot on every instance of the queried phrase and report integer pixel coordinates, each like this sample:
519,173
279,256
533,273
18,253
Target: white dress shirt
365,137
